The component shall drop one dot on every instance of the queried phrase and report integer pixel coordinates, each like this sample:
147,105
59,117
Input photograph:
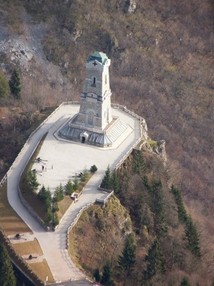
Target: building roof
98,56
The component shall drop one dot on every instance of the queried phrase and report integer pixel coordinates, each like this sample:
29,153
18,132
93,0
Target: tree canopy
7,277
15,84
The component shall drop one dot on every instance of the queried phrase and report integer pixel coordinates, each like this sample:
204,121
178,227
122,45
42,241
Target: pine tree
155,261
185,282
106,182
192,237
58,194
7,277
14,83
115,182
97,275
69,188
106,277
127,260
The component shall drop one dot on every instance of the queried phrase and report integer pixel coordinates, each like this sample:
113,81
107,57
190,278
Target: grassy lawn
28,247
10,222
63,206
42,270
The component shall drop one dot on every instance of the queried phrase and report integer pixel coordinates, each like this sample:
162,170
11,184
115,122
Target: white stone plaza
61,160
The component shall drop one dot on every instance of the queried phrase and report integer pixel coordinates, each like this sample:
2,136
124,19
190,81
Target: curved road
53,244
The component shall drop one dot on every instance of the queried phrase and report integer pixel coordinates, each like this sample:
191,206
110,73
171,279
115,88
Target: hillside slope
160,251
162,68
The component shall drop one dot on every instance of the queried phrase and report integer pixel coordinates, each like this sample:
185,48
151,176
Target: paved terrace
62,160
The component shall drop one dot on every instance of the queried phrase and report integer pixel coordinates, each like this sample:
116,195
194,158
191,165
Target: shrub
93,169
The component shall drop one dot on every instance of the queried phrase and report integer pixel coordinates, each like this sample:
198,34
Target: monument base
93,136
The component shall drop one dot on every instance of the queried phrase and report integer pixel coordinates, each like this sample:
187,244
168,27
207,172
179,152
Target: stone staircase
116,131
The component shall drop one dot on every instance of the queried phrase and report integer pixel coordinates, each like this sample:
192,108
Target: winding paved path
64,159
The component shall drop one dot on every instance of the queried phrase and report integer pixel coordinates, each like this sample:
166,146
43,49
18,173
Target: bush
93,169
69,188
14,83
58,194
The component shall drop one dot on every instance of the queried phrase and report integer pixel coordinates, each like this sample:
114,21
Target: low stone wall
104,201
3,180
75,221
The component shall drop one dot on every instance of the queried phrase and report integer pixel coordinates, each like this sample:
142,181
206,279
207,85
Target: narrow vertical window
94,81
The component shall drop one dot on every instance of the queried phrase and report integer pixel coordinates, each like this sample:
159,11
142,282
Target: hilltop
162,68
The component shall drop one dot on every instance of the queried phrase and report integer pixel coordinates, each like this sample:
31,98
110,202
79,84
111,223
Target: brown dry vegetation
162,68
96,240
10,222
93,242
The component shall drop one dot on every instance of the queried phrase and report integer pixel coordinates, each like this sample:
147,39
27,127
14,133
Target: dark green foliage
7,277
115,184
127,260
185,282
58,194
106,182
192,237
32,181
157,207
111,181
155,261
14,83
4,86
182,214
69,188
76,184
138,163
96,275
45,196
190,228
106,277
93,169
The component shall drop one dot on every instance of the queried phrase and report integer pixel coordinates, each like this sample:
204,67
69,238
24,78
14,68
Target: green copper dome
98,56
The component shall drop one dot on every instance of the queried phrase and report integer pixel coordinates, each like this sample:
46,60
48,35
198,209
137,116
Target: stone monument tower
95,124
95,105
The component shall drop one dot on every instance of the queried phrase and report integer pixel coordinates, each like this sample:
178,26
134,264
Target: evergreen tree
4,86
58,194
192,237
45,196
14,83
106,182
115,182
127,260
69,188
185,282
7,277
155,261
106,277
97,275
32,181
